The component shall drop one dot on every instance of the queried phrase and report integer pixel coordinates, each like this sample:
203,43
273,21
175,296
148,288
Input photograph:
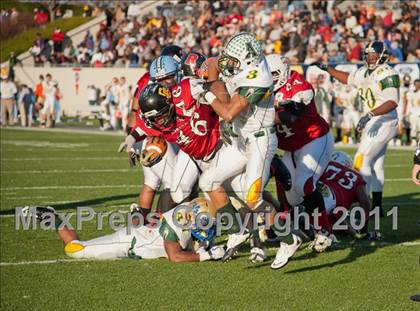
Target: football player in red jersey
341,187
304,136
165,70
196,134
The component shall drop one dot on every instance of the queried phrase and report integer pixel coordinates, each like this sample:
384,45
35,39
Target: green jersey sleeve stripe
167,232
391,81
253,94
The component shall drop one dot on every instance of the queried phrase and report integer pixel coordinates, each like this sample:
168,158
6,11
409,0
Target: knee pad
358,162
254,193
74,249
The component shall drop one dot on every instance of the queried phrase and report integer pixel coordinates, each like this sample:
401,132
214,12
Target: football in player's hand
156,146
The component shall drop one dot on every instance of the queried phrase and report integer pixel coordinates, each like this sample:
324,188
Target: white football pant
306,165
145,243
369,158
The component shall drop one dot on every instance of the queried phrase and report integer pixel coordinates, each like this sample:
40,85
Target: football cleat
285,252
234,242
40,212
257,255
322,241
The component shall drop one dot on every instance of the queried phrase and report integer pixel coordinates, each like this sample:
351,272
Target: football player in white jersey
251,111
172,237
377,85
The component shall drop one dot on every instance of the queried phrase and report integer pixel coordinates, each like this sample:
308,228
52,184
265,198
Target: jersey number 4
346,182
286,131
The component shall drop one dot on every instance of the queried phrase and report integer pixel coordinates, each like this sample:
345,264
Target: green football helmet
242,51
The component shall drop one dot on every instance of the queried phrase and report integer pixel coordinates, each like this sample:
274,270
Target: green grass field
66,170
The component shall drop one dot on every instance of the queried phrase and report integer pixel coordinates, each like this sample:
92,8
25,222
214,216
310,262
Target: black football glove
363,121
320,65
291,112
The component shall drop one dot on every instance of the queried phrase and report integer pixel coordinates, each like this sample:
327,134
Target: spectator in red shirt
354,51
58,38
387,20
40,17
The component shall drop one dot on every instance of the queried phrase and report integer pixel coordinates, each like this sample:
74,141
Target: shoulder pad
258,76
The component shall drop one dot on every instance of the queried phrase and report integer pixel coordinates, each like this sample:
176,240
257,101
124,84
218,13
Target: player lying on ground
168,239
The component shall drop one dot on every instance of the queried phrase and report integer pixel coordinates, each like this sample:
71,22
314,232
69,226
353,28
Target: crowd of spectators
23,104
304,31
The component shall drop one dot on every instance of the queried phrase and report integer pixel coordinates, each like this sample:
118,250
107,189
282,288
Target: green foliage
30,6
24,40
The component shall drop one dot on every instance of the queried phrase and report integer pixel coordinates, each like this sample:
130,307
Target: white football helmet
280,69
241,51
342,158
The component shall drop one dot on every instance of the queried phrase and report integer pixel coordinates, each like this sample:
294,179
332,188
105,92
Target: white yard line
69,187
117,170
45,262
61,159
105,212
69,171
122,186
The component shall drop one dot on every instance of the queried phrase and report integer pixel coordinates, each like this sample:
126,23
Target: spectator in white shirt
92,95
8,91
23,92
49,95
124,101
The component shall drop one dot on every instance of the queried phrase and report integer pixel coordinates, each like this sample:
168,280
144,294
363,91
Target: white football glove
127,144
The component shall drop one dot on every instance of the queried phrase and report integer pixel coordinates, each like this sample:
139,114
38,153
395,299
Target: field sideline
66,170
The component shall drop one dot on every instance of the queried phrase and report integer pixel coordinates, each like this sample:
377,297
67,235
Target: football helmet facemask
280,69
375,53
241,51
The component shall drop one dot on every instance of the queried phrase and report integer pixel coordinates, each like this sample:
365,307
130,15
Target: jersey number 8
252,74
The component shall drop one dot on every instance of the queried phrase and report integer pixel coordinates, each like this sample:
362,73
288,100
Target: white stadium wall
73,83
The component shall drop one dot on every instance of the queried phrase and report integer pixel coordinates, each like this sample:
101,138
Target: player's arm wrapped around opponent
212,91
